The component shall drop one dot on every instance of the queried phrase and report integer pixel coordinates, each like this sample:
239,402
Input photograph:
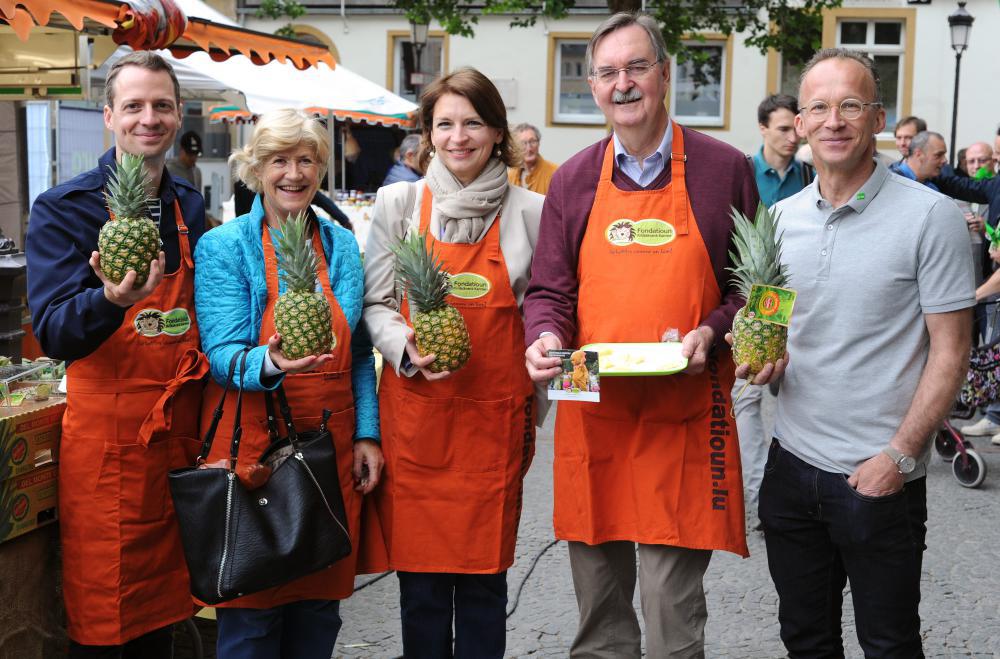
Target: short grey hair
521,127
622,20
848,54
410,144
921,139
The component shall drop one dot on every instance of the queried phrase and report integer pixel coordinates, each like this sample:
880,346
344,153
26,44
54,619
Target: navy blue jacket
69,313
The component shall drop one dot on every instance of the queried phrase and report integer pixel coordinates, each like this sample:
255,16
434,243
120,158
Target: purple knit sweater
718,177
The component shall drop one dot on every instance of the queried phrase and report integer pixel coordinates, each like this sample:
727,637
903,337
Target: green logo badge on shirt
861,196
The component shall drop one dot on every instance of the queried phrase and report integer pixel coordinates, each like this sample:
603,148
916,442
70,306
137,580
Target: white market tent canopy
279,85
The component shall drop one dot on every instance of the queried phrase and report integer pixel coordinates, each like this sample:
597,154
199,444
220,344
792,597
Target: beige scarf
465,213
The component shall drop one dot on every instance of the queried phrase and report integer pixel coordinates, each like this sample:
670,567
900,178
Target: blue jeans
478,603
820,533
298,630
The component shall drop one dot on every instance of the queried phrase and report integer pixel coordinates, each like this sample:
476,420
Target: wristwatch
904,463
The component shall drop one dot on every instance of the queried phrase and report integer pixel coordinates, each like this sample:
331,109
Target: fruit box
27,502
29,435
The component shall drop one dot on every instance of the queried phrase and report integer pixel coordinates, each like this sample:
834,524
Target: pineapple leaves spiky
438,326
757,260
129,240
302,315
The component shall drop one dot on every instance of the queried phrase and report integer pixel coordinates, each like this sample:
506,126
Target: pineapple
757,261
129,240
302,315
439,327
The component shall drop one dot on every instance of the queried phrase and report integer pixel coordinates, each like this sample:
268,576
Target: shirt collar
762,165
865,194
663,150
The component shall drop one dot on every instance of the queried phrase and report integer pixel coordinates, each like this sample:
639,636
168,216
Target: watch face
907,464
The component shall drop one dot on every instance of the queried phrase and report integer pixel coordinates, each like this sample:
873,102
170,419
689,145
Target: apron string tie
192,366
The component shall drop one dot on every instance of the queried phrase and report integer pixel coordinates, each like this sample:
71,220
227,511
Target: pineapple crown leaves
126,190
296,255
421,272
757,259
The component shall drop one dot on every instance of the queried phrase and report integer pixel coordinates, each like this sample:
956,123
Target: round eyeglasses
849,108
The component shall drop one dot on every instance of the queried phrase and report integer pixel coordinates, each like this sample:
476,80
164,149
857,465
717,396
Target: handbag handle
286,415
234,447
206,444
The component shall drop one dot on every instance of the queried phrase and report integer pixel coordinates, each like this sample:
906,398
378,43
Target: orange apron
131,417
657,460
327,387
457,450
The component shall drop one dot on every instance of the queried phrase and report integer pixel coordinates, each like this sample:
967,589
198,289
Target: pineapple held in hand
129,240
757,261
302,315
439,327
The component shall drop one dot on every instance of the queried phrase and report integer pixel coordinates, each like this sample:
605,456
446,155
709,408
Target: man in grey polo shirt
878,345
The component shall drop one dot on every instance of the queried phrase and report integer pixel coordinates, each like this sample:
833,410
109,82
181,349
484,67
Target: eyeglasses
529,142
634,71
849,108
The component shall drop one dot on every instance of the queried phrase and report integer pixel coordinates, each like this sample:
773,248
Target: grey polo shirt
865,273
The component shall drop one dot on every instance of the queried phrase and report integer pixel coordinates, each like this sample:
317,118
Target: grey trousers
671,590
754,440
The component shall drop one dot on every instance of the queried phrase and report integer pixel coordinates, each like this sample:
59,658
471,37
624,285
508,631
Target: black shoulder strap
206,444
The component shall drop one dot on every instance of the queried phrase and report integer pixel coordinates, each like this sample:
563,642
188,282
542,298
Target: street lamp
960,24
418,39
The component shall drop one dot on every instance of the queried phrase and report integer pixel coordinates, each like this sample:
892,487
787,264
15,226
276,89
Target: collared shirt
903,169
646,171
866,273
773,185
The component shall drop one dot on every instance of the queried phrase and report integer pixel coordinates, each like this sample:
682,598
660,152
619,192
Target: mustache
626,97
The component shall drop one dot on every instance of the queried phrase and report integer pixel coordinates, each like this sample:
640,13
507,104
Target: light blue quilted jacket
231,294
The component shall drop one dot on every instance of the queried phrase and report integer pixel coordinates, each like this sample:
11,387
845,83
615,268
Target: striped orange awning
231,114
182,36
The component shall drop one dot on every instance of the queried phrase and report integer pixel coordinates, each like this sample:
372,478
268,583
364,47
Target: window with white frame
573,102
404,65
698,89
882,40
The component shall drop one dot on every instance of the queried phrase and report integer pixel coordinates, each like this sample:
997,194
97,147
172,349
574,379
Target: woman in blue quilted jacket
237,283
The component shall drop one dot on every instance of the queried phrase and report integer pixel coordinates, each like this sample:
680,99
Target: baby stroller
981,387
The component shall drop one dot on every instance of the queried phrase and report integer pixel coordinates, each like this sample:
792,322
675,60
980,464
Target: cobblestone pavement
961,582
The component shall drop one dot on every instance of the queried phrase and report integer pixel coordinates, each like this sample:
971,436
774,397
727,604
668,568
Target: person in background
457,444
185,165
979,161
960,164
638,468
844,497
405,168
534,172
927,155
133,398
236,288
905,130
779,174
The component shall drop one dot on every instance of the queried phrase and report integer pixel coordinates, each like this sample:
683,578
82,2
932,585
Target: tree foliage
791,27
277,9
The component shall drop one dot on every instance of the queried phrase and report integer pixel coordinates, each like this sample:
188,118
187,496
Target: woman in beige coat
457,445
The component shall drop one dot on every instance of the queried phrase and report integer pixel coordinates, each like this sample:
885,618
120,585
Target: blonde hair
277,131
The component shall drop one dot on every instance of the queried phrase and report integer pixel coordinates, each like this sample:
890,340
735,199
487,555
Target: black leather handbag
239,541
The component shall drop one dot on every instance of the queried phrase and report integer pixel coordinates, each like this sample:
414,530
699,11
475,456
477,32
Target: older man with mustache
656,462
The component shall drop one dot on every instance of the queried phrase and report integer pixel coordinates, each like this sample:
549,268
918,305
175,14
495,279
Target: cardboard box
28,501
29,435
